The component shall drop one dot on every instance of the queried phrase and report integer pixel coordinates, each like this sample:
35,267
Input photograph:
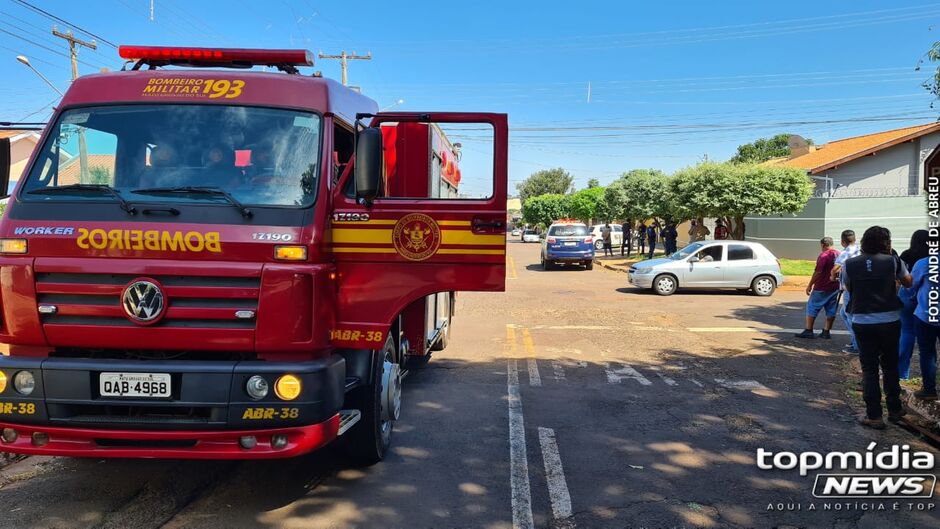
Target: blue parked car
568,243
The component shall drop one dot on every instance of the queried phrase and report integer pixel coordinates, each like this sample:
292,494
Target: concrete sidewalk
622,264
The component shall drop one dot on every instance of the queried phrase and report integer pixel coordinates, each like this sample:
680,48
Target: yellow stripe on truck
354,236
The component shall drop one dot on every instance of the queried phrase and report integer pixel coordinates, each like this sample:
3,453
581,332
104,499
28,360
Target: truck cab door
436,221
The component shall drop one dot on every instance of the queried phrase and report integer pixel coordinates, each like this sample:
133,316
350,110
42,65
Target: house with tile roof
22,143
860,182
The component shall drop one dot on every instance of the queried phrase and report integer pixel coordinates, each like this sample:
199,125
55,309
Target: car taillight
589,239
551,240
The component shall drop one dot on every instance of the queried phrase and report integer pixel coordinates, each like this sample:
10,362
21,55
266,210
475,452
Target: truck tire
368,441
442,342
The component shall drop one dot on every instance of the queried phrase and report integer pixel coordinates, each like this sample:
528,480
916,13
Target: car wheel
763,286
589,265
598,245
665,285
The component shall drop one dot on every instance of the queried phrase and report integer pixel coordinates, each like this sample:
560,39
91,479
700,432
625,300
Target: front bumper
640,280
206,414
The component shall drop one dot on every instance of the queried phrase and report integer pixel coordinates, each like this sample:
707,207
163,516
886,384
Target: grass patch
797,267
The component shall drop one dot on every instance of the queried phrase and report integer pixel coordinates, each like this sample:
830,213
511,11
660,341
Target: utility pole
344,57
73,53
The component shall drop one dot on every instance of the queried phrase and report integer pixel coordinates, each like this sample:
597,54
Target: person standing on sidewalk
627,241
699,231
849,250
651,238
916,252
823,291
871,280
641,237
927,333
721,232
606,235
670,234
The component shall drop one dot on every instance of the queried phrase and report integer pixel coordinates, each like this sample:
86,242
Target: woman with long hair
916,252
871,279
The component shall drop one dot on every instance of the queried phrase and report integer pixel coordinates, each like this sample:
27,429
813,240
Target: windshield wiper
205,190
125,205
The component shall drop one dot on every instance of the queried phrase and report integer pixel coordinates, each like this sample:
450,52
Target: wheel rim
764,286
665,284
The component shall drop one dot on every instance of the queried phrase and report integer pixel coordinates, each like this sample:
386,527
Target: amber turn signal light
290,253
287,387
13,246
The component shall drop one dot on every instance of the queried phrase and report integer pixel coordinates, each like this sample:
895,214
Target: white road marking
755,329
534,378
614,376
640,327
518,463
559,370
697,383
740,384
667,380
555,475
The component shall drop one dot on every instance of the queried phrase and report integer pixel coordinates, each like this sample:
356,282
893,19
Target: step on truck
203,260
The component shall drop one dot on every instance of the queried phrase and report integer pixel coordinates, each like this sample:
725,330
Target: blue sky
669,82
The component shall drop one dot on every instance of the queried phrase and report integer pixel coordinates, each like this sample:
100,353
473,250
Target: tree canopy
590,204
764,149
639,194
593,182
733,191
555,181
545,209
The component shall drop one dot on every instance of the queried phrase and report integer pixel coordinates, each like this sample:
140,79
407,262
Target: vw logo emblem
143,301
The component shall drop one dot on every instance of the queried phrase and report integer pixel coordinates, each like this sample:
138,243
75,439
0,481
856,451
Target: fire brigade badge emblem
416,236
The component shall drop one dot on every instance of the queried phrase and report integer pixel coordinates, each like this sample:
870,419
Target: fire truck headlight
13,246
24,382
287,387
290,253
3,381
257,387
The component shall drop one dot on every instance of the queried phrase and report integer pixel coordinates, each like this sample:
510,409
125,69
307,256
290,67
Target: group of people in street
884,305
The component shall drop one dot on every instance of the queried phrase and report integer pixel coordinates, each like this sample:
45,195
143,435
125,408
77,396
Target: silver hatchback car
742,265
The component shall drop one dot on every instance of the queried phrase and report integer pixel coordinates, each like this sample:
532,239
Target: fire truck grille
191,301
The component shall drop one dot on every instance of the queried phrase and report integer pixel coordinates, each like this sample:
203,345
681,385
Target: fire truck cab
208,262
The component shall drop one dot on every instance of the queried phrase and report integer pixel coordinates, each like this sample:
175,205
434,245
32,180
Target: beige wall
20,152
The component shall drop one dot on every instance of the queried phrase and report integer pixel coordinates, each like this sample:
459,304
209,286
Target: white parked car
530,236
616,236
711,264
516,232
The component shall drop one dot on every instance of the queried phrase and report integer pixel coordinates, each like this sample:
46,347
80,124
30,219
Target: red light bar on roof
217,55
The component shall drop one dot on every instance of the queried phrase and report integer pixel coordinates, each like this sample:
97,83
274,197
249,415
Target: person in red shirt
721,232
823,291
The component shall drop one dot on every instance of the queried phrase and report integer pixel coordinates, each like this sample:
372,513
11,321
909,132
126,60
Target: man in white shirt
849,250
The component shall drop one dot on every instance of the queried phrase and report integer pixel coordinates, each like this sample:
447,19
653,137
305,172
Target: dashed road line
534,378
696,382
667,380
555,476
518,463
718,330
512,350
559,370
614,376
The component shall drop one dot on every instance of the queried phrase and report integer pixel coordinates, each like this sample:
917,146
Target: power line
66,22
344,57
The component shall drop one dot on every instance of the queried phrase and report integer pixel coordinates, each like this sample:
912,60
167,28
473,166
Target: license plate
145,385
571,243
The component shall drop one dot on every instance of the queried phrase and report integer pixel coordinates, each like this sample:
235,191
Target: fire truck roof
226,87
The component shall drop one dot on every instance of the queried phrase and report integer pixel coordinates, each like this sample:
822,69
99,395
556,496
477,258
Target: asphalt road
572,400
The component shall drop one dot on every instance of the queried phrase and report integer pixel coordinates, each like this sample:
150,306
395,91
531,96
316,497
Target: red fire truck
219,263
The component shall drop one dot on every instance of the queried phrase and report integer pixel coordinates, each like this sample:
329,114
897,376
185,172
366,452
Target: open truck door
422,212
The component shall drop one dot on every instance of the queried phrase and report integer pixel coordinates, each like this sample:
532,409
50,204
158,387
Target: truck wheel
442,342
380,403
665,285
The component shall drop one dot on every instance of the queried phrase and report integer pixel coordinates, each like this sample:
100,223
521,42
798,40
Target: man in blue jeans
849,250
823,291
927,332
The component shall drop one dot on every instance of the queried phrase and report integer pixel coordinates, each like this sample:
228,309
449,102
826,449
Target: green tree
593,182
932,84
640,194
545,209
546,182
589,204
764,149
99,175
733,191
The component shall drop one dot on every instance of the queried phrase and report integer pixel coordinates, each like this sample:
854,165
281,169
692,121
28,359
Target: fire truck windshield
257,156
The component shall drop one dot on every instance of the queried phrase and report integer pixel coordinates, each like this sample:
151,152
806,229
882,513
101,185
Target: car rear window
568,230
740,252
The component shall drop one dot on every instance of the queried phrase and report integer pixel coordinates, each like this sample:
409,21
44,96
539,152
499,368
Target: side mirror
5,161
694,259
368,163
